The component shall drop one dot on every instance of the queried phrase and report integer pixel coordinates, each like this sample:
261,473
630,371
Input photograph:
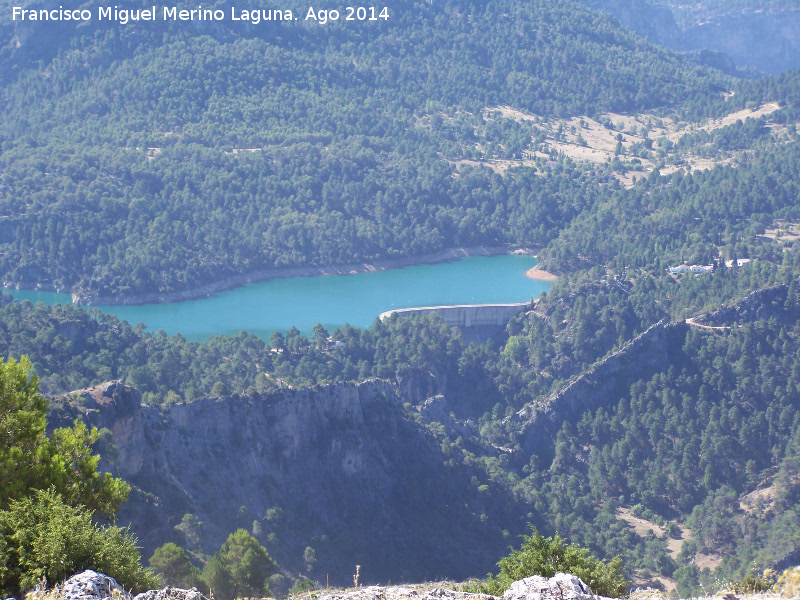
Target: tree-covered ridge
542,56
158,158
687,444
72,349
422,209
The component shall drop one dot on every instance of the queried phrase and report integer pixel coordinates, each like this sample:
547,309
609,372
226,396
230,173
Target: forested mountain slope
157,157
714,393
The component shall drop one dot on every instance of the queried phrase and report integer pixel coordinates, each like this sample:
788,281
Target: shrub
29,460
754,583
301,586
673,530
239,568
548,556
172,565
42,536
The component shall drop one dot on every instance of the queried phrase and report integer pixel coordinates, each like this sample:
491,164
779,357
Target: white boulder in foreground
561,586
91,585
171,593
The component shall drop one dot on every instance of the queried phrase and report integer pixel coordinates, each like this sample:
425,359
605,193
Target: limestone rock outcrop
437,410
539,421
91,585
376,592
117,407
342,468
562,586
171,593
763,304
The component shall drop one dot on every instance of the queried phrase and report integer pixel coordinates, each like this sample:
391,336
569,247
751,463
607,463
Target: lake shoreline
540,274
283,273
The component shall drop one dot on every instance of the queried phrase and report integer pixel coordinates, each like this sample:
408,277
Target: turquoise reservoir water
333,300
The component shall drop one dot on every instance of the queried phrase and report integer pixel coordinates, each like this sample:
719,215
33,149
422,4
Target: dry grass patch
642,526
788,584
783,232
599,141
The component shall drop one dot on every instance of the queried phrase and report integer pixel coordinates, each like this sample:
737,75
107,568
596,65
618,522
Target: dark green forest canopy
157,157
617,249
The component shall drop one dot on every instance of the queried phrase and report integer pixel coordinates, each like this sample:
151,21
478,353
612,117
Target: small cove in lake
333,300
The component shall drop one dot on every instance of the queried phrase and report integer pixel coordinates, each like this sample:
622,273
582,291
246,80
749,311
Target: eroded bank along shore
540,274
282,273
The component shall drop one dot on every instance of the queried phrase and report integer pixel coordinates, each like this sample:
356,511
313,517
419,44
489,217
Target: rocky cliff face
340,468
765,40
599,386
767,303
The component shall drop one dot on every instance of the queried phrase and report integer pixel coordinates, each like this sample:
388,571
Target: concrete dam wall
479,322
467,315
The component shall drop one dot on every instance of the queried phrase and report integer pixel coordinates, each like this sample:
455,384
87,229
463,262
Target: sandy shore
540,274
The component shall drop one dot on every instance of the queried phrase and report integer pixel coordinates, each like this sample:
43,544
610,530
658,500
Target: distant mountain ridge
761,35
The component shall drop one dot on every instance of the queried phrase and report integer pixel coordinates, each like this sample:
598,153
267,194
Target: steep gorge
340,468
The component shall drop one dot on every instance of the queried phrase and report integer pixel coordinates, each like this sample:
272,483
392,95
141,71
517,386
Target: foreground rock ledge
376,592
559,587
91,585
